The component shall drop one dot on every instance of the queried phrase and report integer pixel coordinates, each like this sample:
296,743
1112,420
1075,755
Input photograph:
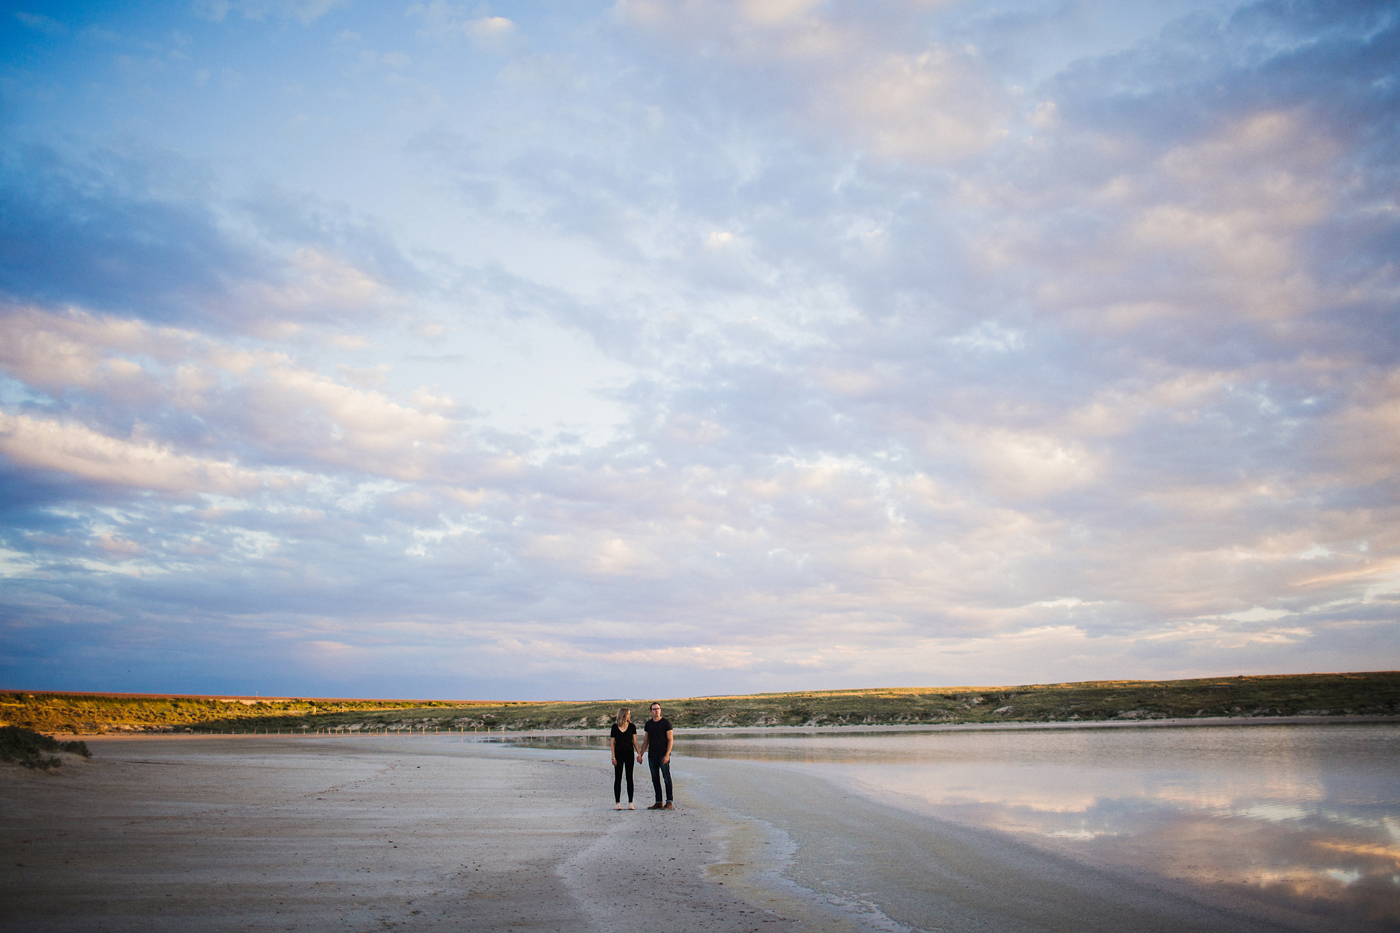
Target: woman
624,746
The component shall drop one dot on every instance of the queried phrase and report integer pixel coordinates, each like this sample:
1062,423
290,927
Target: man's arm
670,741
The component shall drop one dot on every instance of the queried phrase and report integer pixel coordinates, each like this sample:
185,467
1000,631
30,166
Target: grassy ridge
92,714
1095,701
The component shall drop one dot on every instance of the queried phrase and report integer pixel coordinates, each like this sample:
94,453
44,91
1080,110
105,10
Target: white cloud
74,349
1257,614
320,285
489,27
443,19
934,106
933,103
86,454
1030,464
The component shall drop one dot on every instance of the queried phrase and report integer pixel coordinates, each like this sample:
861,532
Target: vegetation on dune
31,749
1095,701
89,714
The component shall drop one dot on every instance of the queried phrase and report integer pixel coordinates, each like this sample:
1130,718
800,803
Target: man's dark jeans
658,771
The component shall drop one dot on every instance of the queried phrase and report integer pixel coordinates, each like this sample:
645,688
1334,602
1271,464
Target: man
657,747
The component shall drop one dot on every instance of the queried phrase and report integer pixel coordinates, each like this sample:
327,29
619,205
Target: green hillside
1375,693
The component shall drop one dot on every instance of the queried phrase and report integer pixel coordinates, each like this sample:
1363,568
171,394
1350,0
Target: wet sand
359,834
899,870
283,833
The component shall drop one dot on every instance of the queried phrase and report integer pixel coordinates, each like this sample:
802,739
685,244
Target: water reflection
1305,818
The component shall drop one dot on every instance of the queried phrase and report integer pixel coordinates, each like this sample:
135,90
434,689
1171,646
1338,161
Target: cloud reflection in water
1301,822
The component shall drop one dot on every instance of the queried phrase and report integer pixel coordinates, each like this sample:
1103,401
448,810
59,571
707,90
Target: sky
527,351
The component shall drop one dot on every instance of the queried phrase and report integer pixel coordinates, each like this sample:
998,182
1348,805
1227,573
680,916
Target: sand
900,870
360,834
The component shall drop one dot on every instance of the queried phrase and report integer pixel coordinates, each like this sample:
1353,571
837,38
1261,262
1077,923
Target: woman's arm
612,744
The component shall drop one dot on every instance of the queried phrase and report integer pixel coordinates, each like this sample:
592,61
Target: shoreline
507,735
892,868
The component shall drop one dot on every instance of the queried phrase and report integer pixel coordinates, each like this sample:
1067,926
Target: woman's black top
626,739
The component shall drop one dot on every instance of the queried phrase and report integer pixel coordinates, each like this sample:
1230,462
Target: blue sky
530,351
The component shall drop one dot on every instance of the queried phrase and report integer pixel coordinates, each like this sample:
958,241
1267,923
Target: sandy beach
359,834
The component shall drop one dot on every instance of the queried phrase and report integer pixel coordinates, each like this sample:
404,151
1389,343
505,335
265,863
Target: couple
657,747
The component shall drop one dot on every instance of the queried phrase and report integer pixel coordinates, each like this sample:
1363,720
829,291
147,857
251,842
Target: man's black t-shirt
656,737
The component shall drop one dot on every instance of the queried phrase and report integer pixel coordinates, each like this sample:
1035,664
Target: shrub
28,748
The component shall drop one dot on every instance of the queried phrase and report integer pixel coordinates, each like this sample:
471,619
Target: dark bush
28,748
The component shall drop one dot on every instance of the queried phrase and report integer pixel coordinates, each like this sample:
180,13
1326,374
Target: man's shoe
669,806
656,806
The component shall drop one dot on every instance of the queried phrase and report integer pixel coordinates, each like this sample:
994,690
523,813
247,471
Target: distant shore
1284,696
515,737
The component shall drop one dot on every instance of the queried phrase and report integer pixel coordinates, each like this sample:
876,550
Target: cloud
41,23
270,408
443,20
71,234
317,286
304,415
84,453
932,107
489,27
166,256
303,11
834,70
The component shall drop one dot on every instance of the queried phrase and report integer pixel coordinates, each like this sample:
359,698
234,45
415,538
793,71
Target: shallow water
1305,817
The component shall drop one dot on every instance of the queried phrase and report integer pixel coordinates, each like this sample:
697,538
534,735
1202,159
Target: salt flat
359,834
274,833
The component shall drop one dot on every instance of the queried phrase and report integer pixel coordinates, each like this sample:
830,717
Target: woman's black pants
623,764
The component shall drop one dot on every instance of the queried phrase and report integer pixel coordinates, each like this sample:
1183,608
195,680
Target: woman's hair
624,714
